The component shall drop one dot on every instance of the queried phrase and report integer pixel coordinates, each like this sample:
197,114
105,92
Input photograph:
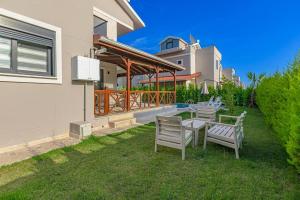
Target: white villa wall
110,75
206,64
34,111
217,70
229,73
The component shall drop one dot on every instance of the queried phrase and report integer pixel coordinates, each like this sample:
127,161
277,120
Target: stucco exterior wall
180,55
206,64
229,73
197,59
34,111
217,70
181,45
110,75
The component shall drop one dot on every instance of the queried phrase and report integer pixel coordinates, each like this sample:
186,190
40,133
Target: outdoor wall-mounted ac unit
80,129
85,69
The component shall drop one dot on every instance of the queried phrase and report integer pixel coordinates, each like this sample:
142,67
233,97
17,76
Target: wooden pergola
134,62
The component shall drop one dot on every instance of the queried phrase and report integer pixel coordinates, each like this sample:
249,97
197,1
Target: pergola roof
142,62
184,77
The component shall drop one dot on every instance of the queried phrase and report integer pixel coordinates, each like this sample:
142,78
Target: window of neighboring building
180,62
29,52
169,44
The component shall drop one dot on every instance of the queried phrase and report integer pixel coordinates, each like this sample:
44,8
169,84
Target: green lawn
124,166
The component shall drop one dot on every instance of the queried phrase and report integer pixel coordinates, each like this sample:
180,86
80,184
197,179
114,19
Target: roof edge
132,13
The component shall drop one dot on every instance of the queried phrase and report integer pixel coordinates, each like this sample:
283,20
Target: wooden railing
114,101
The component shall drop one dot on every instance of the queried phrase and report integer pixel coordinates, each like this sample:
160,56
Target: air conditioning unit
80,130
85,69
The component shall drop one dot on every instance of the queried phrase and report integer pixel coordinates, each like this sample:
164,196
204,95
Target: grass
124,166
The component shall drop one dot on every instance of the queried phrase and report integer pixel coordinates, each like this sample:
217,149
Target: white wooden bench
226,134
171,132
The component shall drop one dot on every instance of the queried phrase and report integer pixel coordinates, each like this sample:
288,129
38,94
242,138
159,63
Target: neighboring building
38,40
237,81
202,64
230,74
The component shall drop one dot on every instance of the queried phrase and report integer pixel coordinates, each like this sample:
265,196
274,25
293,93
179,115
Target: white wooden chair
217,103
205,103
171,132
204,113
226,134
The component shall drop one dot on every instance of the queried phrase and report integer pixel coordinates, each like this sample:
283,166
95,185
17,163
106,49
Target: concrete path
28,152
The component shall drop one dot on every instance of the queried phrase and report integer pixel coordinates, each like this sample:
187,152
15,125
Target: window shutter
10,33
5,51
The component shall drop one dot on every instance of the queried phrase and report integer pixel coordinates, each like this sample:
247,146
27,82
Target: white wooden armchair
226,134
204,113
171,132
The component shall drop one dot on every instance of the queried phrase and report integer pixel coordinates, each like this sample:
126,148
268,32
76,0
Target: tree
229,89
254,82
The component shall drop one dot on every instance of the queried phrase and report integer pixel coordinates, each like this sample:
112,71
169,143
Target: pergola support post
128,64
157,86
174,79
149,89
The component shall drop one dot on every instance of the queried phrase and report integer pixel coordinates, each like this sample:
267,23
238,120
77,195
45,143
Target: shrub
231,94
278,97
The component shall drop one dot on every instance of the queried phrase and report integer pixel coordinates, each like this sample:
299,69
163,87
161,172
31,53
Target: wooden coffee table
197,125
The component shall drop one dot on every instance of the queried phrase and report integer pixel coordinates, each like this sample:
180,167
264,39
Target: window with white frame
26,49
30,50
217,64
100,26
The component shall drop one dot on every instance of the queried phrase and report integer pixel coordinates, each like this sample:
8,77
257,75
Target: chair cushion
220,132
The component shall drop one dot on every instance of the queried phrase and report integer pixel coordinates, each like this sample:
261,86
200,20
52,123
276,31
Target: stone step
100,123
120,117
122,123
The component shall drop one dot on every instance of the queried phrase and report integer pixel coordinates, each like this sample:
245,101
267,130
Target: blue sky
252,35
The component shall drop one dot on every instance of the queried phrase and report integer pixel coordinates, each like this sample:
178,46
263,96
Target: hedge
229,92
278,97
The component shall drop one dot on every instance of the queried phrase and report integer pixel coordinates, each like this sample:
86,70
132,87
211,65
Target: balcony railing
115,101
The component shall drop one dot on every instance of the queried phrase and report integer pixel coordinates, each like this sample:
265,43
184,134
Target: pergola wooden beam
135,62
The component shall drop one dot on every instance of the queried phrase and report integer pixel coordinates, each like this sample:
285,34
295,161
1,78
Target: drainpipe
92,55
84,101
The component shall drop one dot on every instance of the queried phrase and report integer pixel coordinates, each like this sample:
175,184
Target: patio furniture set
176,133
